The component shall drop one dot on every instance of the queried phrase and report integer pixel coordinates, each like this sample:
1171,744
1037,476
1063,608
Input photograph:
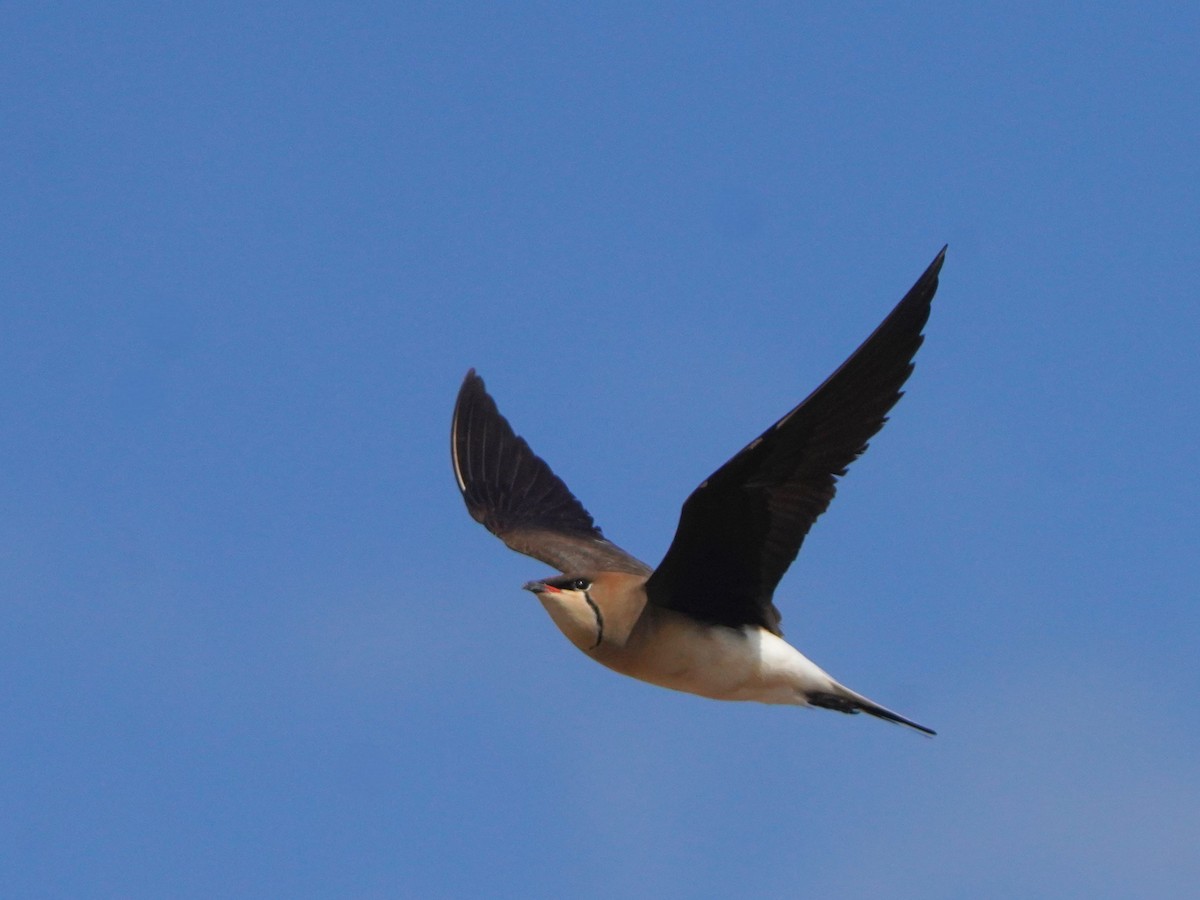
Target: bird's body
704,622
676,651
747,663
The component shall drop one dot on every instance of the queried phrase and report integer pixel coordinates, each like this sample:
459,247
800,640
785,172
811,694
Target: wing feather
513,493
742,527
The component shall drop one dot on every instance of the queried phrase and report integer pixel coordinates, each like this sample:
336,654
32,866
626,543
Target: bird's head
570,601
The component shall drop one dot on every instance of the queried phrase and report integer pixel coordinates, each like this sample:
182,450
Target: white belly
747,663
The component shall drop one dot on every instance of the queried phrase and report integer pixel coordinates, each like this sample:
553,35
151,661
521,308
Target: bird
704,621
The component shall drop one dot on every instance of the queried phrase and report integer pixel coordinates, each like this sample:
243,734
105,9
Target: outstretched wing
515,495
740,529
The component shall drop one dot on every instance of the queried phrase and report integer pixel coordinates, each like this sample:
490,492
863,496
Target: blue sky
251,644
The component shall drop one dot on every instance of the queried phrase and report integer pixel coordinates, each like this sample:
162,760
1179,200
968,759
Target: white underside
676,651
746,663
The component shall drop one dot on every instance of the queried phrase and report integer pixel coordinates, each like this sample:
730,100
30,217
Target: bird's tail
842,699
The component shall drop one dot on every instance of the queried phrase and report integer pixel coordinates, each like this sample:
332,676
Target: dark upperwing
513,493
742,527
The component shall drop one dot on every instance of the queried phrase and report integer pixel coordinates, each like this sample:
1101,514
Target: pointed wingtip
936,266
471,393
927,284
471,389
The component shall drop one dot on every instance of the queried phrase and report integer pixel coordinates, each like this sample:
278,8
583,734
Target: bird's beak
537,587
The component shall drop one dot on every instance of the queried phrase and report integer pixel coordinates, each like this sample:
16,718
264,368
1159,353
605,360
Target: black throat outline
599,620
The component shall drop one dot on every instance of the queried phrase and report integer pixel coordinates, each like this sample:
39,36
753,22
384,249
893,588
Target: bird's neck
582,622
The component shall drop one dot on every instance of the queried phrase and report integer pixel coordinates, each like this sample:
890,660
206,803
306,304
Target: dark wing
740,530
513,493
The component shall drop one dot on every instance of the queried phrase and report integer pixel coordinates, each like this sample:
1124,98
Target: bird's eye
580,584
